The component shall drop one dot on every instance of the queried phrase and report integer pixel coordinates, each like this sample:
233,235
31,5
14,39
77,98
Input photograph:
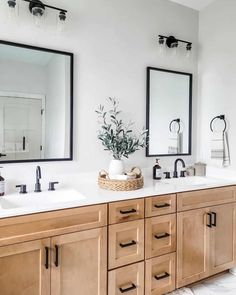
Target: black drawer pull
210,220
57,256
214,219
161,276
159,206
128,211
46,257
132,243
162,236
133,287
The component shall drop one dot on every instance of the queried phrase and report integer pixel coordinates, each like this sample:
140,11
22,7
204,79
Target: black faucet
175,175
38,177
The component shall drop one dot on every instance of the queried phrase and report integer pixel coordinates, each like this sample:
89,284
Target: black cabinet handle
46,257
214,219
132,243
57,255
210,220
161,276
133,287
159,206
128,211
162,236
2,155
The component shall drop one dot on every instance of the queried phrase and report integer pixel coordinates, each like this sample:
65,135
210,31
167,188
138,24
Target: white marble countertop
81,190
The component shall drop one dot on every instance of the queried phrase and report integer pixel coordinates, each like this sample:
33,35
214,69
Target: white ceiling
195,4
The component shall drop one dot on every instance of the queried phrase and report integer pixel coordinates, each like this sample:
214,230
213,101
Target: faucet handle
167,174
22,188
52,185
182,173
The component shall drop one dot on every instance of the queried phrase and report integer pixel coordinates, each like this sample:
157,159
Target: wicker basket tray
105,182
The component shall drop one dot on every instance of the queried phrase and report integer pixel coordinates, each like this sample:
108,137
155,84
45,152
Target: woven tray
119,185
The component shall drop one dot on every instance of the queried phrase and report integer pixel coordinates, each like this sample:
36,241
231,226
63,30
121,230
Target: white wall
217,72
113,42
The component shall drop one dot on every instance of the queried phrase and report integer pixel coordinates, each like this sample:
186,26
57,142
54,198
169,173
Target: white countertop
81,190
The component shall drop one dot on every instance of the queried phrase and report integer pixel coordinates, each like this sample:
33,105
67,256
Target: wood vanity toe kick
43,225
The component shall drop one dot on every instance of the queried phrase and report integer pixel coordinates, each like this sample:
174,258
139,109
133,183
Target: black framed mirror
168,112
36,104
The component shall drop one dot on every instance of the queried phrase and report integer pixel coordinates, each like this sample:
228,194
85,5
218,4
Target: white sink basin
191,181
38,200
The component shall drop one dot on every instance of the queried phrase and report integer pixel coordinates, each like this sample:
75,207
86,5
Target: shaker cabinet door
79,263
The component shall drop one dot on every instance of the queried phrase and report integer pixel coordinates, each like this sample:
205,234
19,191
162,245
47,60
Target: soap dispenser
157,171
2,185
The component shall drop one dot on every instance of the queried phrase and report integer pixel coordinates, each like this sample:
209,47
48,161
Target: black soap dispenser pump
2,185
157,171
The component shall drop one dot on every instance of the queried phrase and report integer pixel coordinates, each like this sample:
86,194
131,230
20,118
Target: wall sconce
173,43
37,9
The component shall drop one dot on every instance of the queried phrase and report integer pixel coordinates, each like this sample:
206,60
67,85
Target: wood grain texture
205,198
22,269
43,225
158,226
222,239
82,263
117,211
159,267
125,233
167,202
192,246
126,277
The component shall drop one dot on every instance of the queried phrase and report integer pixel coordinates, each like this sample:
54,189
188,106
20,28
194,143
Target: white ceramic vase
116,167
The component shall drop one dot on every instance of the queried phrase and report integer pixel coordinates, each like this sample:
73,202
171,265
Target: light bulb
37,9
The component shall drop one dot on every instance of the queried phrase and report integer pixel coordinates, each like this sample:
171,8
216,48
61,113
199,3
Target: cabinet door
192,246
222,238
79,264
25,268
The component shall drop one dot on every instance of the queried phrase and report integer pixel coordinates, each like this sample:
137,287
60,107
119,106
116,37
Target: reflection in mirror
169,107
35,104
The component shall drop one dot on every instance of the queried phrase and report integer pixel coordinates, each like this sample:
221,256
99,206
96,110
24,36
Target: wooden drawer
128,279
160,275
160,205
126,243
42,225
160,237
205,198
126,211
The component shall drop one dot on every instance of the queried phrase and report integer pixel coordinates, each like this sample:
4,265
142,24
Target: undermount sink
186,182
36,200
191,181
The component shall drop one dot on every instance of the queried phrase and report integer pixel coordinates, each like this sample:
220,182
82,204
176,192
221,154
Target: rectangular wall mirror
36,104
169,112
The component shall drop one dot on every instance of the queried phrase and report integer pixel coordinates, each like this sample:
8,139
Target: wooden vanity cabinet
205,242
25,268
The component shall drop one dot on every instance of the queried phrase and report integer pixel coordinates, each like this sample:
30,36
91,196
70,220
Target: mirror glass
35,103
169,107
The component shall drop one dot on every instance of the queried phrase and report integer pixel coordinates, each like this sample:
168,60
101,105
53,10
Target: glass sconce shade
61,22
12,9
161,47
189,50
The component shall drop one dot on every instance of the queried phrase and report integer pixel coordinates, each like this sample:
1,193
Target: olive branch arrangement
116,136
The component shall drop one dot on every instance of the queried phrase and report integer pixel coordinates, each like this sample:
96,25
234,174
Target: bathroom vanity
148,245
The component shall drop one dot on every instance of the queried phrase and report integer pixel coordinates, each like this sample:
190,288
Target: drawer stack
142,245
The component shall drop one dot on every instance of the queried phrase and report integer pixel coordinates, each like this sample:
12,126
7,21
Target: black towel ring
221,117
175,121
